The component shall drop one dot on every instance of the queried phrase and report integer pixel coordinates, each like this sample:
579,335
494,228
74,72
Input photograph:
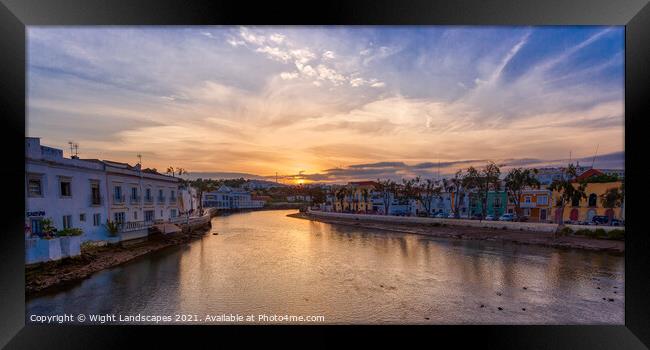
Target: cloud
263,99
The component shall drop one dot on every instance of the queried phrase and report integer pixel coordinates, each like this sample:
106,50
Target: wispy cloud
258,100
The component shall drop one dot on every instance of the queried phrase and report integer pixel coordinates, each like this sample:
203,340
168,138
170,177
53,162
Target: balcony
96,200
134,199
134,226
148,200
118,199
161,200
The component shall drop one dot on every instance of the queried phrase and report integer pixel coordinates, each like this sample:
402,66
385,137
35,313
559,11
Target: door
542,215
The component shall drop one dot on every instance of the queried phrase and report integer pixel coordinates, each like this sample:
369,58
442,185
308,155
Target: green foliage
112,227
616,234
602,178
565,231
600,233
69,232
612,198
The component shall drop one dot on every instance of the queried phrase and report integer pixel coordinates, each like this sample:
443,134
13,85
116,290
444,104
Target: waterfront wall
517,226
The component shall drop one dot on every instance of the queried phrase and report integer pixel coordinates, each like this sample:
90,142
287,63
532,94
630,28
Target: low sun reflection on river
267,263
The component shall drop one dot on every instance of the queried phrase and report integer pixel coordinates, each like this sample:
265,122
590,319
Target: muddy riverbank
43,277
477,233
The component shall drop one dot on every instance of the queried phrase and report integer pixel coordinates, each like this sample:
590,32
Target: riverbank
477,233
43,277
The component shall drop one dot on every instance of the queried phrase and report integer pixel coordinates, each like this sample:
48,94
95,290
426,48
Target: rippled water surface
267,263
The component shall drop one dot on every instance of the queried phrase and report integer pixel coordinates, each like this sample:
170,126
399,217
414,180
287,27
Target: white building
138,197
228,198
68,191
86,193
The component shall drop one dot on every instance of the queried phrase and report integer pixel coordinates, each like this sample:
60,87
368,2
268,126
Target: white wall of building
48,166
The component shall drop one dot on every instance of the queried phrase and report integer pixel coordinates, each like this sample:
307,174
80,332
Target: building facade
140,197
536,205
229,198
68,191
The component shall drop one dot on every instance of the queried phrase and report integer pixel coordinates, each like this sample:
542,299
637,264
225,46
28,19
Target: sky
330,104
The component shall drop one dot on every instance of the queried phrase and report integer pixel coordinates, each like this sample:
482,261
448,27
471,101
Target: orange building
535,204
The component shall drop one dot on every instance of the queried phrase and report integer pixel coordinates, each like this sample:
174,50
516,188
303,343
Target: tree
456,185
568,192
516,182
386,189
317,195
365,194
410,190
428,190
472,182
340,196
202,186
482,182
612,198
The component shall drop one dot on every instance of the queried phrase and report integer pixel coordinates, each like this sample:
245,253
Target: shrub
600,233
112,227
616,234
565,231
69,232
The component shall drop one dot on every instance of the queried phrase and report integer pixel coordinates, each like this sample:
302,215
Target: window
117,191
95,197
593,199
160,193
575,202
161,213
135,215
34,186
134,193
82,217
526,211
119,217
36,226
148,215
542,200
148,193
67,221
497,202
527,199
97,219
66,188
173,213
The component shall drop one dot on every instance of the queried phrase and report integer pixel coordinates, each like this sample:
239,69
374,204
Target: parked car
440,215
452,216
490,218
507,217
616,222
477,217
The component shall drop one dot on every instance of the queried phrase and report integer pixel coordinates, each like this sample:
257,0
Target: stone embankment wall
515,226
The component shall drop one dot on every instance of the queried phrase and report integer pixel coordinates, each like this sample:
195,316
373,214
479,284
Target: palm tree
201,187
365,194
517,181
568,192
340,196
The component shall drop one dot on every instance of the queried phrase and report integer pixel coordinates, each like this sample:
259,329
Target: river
267,263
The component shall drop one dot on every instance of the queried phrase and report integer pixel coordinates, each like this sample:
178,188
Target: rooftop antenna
74,148
594,160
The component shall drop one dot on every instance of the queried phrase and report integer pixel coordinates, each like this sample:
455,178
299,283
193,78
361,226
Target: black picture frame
16,14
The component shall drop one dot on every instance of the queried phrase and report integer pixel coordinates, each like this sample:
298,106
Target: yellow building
587,208
354,197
